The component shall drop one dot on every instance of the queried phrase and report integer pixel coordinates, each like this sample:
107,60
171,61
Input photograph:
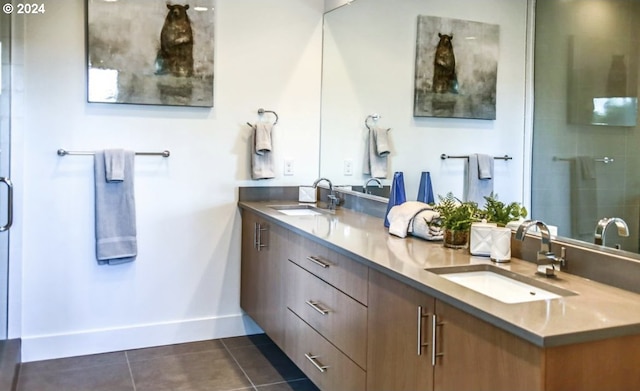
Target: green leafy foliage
455,214
496,211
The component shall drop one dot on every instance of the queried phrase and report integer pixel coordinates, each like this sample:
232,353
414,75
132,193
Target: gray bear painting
456,68
163,58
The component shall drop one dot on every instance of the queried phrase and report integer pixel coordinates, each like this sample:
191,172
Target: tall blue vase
397,196
425,191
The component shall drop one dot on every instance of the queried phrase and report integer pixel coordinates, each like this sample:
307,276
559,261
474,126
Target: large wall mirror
581,47
369,58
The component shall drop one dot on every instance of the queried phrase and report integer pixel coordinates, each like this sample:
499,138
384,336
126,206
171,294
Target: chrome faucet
366,184
546,260
604,223
334,201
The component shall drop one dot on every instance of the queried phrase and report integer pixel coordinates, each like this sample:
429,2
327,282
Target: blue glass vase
397,195
425,190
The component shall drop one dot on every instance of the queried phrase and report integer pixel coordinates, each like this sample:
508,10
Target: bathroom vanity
358,309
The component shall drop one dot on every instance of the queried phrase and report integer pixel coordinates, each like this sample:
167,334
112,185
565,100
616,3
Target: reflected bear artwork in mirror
150,52
456,68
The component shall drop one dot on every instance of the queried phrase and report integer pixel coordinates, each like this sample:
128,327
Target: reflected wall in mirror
586,52
369,57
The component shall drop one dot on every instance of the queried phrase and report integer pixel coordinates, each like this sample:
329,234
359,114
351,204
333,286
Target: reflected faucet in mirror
366,184
604,223
334,201
546,260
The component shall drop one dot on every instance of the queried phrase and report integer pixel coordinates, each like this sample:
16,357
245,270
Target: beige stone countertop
596,312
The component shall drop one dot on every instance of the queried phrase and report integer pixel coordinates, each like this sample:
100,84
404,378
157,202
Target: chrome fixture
374,117
366,184
334,201
444,156
604,223
546,260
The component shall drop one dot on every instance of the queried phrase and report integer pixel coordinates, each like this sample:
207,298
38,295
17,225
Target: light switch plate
288,166
348,167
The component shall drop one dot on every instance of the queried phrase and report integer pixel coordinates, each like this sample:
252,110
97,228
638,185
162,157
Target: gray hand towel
263,137
261,161
115,214
485,166
114,165
374,162
584,197
475,188
381,141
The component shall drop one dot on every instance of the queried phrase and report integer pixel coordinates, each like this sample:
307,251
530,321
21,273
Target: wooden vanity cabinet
405,352
327,320
262,268
382,334
399,334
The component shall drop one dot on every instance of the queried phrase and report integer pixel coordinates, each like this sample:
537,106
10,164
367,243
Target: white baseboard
46,347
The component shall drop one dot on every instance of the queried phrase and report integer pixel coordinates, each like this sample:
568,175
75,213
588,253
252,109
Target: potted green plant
498,212
456,218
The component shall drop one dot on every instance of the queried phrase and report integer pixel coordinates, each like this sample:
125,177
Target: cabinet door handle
259,230
255,235
316,307
421,344
434,326
318,261
314,361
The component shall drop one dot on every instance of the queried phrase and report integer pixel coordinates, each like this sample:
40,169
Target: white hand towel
115,213
261,163
263,137
114,165
475,188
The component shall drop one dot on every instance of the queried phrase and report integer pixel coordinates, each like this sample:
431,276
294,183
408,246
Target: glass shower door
6,192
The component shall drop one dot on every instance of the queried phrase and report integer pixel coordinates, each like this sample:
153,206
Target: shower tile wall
576,42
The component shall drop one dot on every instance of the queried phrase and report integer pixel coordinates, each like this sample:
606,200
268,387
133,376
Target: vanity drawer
325,365
349,276
333,314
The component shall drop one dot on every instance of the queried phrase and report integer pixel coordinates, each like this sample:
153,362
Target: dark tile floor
240,363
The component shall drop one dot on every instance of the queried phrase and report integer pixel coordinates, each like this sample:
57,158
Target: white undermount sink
298,210
501,284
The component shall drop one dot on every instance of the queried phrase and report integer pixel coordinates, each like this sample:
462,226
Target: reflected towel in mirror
376,152
475,187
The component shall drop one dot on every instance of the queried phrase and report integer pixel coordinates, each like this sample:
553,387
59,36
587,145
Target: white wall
184,284
373,72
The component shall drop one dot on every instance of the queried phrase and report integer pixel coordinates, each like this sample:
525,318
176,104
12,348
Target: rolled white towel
426,225
400,216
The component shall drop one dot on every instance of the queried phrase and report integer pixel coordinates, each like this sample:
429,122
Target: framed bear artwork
150,52
456,68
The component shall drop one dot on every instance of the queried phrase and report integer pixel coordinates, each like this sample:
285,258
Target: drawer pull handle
318,262
316,307
314,361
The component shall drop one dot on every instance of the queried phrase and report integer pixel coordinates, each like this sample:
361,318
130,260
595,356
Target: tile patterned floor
239,363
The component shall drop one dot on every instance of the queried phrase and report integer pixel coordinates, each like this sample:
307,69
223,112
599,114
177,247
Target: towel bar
261,111
375,117
64,152
605,160
445,156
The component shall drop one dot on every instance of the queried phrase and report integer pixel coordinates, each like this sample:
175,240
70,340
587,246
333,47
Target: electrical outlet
348,167
288,166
